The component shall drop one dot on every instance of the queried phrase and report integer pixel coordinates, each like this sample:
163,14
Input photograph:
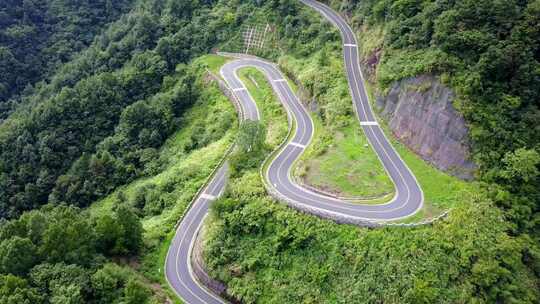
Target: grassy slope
272,112
212,62
268,253
337,161
347,166
442,191
183,174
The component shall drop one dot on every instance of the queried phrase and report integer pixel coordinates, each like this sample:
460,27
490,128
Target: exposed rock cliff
420,113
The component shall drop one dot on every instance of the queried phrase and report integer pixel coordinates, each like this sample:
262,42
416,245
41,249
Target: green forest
37,37
109,125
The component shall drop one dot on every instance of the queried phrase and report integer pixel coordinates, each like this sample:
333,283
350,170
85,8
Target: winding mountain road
407,200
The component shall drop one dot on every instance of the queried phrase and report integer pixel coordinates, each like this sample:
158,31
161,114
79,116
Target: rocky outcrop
420,113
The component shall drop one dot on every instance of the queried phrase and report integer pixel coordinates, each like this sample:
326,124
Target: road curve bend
407,200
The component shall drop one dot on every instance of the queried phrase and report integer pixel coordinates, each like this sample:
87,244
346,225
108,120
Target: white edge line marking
216,180
181,240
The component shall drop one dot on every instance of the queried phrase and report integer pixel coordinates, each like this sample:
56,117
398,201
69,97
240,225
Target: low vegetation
338,160
267,253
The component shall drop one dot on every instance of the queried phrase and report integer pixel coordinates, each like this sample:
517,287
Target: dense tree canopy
102,115
56,255
37,36
267,253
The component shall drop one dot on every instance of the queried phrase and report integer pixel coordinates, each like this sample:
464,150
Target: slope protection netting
253,38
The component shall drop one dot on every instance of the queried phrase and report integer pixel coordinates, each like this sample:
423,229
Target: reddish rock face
420,113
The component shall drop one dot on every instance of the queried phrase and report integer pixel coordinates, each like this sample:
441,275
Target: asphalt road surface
407,200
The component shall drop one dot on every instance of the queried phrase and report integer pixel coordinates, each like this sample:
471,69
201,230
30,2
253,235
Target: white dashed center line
297,144
208,196
369,123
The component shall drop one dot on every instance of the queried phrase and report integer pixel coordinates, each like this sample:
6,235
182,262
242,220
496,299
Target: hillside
37,37
93,108
270,254
111,123
488,53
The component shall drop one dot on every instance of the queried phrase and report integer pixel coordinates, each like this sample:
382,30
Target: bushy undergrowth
267,253
58,255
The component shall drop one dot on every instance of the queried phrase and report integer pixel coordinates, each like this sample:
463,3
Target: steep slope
421,114
488,54
87,121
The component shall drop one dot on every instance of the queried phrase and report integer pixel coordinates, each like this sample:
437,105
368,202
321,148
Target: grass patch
372,39
342,163
212,62
337,160
272,111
